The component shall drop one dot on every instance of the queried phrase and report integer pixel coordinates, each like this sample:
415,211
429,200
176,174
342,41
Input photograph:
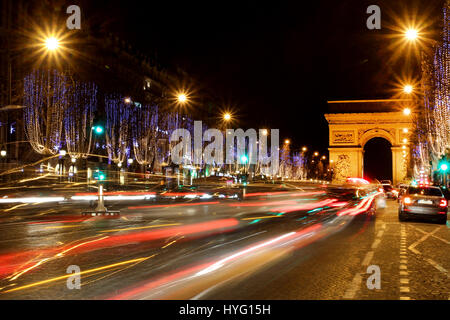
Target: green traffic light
444,167
101,177
244,159
98,129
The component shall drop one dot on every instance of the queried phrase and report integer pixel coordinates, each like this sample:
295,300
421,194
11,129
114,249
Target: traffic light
244,159
98,129
443,166
99,175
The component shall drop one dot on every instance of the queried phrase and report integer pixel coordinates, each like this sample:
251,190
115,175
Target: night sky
275,63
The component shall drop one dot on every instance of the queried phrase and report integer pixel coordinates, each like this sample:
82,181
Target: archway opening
378,159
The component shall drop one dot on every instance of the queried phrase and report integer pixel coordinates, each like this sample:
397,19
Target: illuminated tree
433,125
118,131
79,118
45,99
144,132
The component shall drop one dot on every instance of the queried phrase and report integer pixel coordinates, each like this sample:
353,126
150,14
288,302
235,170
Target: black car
426,202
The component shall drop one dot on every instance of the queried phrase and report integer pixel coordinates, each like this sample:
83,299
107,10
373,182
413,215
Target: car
389,191
424,202
386,182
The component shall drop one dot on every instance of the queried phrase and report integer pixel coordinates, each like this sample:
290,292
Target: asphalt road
301,243
413,258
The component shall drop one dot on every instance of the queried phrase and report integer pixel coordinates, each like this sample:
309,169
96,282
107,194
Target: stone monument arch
350,131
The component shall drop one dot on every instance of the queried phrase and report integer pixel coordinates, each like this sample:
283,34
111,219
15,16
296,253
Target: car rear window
387,188
425,191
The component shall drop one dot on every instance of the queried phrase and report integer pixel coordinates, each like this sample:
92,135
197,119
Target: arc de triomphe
350,131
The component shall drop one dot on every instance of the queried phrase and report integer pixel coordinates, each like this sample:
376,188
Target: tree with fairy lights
46,97
433,123
118,131
79,118
144,133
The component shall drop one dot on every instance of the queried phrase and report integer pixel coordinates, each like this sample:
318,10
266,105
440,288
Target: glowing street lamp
287,141
3,153
411,34
406,111
304,149
227,116
265,132
408,89
182,98
51,43
127,100
324,157
316,154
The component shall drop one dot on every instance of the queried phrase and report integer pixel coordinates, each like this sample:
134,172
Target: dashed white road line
367,258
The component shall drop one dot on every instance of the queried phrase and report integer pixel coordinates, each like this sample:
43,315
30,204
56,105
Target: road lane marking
437,266
376,243
404,281
434,236
356,283
425,237
367,258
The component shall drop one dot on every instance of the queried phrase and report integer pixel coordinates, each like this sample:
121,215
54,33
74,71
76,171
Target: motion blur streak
153,284
292,193
174,205
116,193
9,263
363,206
32,199
307,206
81,273
262,204
159,287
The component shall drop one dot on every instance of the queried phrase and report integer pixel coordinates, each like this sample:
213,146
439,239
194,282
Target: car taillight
443,203
407,200
380,189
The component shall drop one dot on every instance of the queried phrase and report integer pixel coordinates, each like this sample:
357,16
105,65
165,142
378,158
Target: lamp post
3,156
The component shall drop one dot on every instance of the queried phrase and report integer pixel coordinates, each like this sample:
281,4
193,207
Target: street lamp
127,100
227,117
287,141
51,43
411,34
324,157
3,153
406,111
265,132
304,149
316,154
182,98
408,89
